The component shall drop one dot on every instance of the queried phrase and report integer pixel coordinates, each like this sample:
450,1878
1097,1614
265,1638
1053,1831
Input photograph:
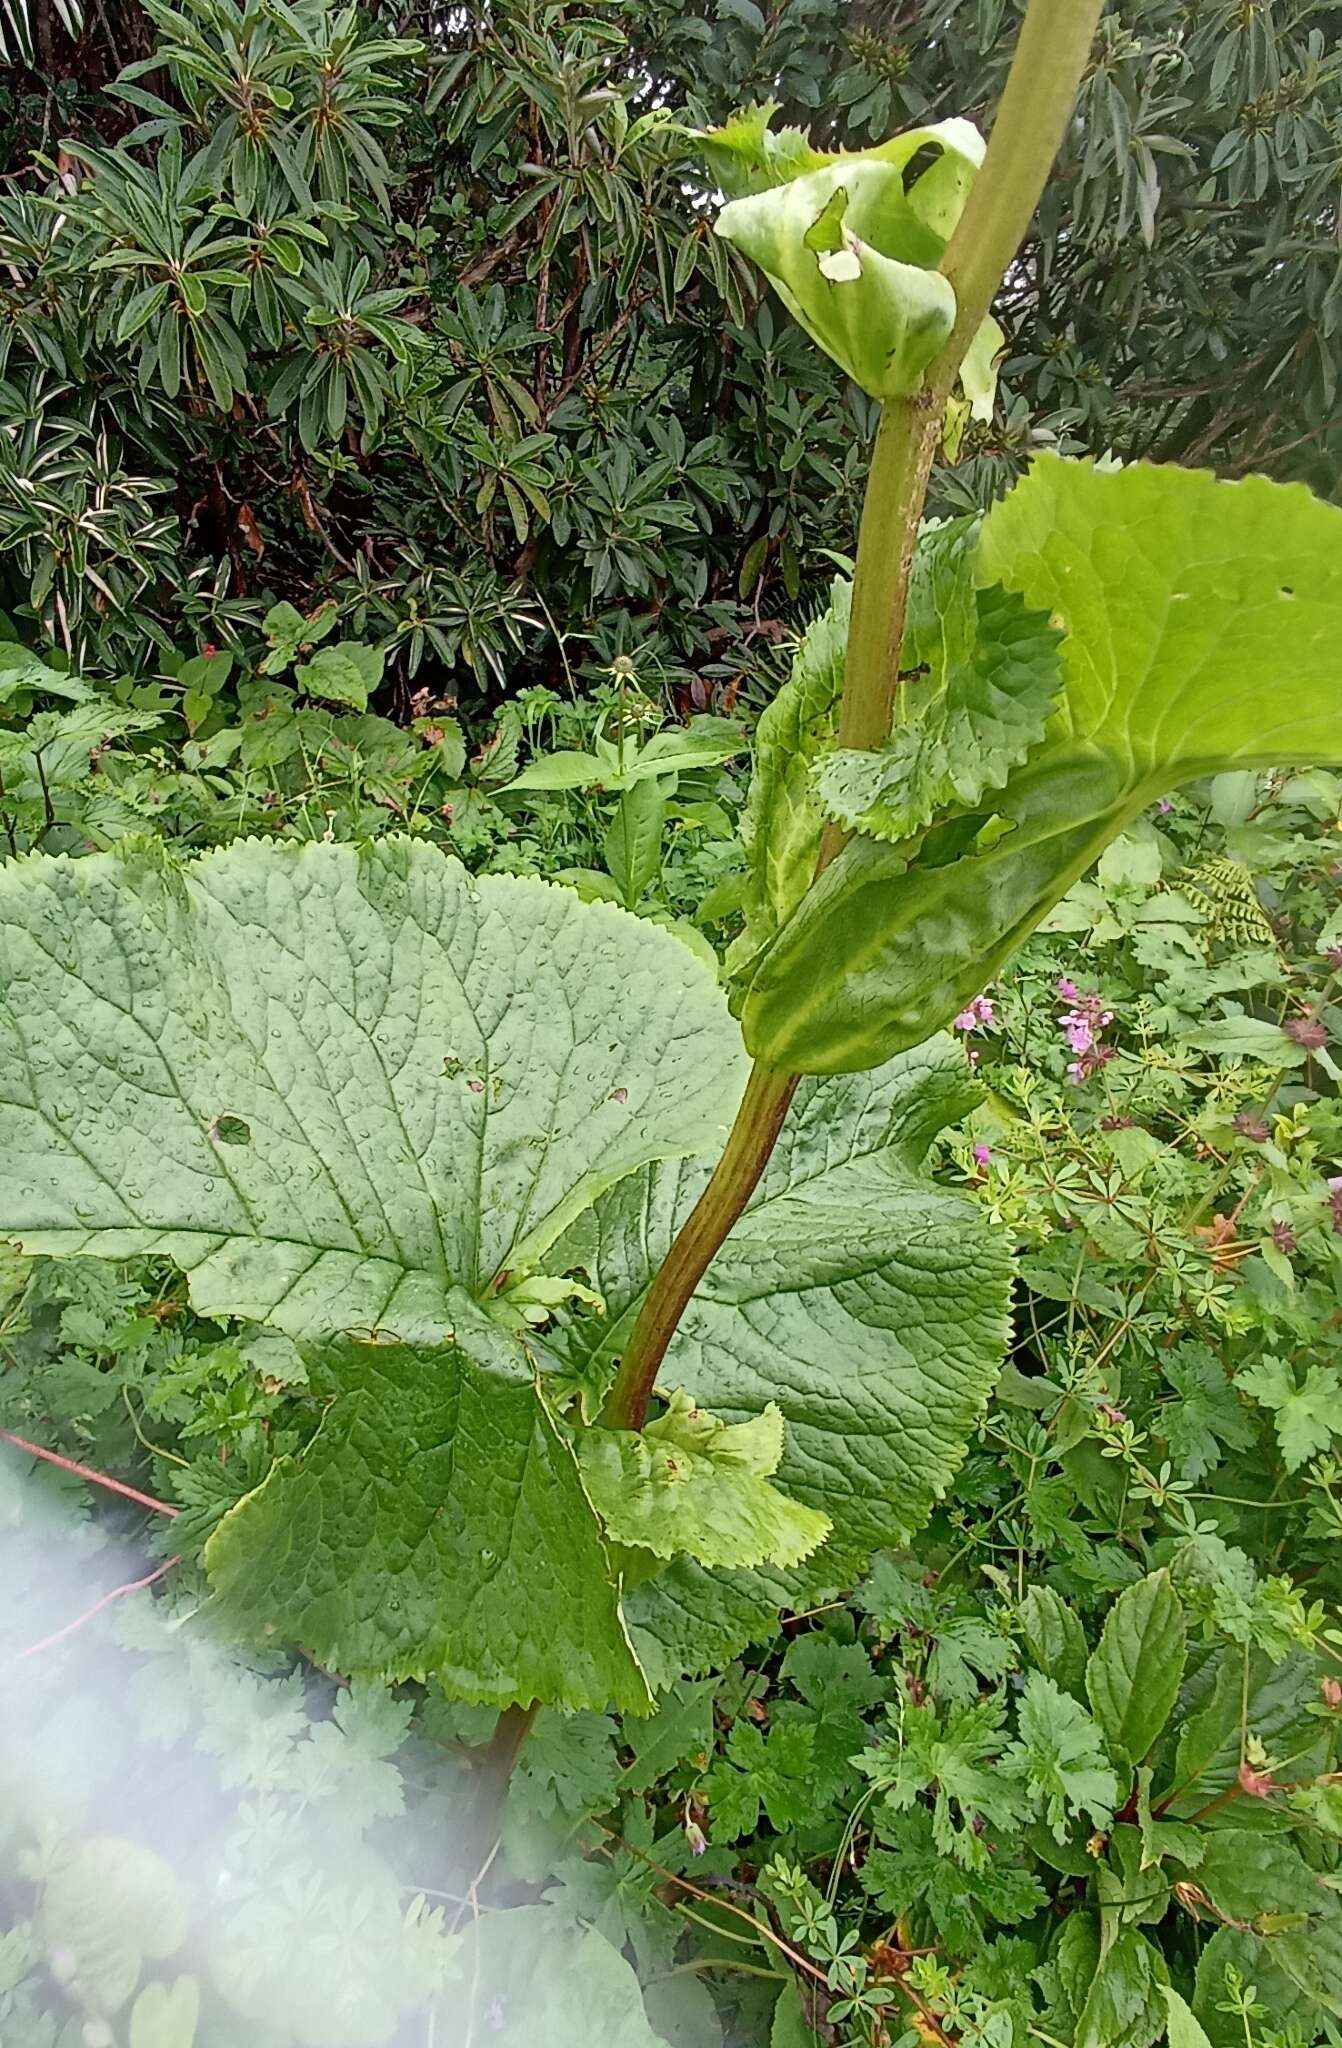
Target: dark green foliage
447,343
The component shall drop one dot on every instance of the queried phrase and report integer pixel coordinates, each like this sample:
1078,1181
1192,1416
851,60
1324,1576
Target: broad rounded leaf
344,1090
868,1302
435,1527
1204,633
689,1482
1134,1671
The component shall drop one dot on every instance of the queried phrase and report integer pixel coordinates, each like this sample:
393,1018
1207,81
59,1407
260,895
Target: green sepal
852,250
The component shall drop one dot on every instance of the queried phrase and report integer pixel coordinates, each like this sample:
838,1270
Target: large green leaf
342,1089
851,243
865,1300
435,1527
1204,633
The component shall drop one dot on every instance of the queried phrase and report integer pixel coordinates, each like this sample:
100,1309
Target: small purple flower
696,1837
1082,1026
1164,807
979,1012
982,1154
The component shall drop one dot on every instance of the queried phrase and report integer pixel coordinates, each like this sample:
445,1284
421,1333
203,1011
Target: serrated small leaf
982,676
1183,2029
1125,2006
1059,1756
1054,1637
782,823
341,674
1134,1672
689,1482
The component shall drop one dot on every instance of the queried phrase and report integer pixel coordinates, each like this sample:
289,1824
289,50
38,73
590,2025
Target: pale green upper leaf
342,1089
689,1482
1204,632
852,245
1134,1671
435,1527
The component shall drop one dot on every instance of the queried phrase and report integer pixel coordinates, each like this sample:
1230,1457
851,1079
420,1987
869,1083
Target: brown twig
144,1500
117,1593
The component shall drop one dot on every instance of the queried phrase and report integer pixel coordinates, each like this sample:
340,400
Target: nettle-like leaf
691,1483
851,245
1059,1756
1134,1672
782,824
981,676
1203,633
436,1527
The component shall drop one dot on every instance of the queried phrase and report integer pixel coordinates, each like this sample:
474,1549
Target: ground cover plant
582,1311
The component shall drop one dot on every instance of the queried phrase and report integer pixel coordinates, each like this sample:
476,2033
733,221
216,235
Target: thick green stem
901,463
746,1154
1046,69
1036,105
495,1769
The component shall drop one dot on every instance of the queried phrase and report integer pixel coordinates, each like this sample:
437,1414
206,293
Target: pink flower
1081,1026
982,1154
696,1838
979,1012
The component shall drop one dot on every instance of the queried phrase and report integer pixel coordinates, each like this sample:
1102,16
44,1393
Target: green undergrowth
1062,1771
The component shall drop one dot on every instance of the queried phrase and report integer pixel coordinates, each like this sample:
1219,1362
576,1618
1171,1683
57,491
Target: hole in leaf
921,160
231,1130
